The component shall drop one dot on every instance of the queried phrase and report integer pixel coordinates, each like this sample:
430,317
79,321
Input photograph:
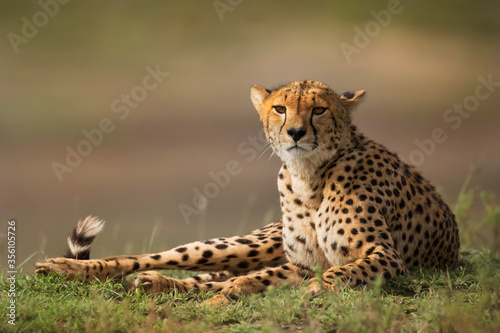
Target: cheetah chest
299,210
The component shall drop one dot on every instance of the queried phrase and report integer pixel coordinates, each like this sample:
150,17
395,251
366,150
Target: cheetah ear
351,99
258,96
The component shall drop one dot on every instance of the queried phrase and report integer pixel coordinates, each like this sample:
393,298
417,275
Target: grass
465,298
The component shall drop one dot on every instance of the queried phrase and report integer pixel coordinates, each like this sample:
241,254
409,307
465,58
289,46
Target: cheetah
349,207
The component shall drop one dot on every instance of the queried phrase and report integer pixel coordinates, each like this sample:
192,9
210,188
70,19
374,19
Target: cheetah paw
315,288
152,282
60,265
223,298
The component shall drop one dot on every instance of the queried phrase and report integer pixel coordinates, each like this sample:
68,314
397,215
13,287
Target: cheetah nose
296,133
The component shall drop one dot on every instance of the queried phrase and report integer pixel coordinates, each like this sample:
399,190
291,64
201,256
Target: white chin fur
296,151
303,162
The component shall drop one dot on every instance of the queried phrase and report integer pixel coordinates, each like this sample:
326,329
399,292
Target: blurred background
67,69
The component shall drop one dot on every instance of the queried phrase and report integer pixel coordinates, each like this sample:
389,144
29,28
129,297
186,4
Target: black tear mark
284,122
334,121
315,146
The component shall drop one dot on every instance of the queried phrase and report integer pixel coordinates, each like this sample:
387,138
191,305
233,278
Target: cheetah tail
81,238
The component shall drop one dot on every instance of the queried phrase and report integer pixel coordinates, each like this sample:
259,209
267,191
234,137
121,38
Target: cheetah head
305,122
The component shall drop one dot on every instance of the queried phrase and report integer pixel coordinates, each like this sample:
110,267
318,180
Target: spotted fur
349,206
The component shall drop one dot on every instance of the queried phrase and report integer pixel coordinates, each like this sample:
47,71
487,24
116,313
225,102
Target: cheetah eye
279,109
319,110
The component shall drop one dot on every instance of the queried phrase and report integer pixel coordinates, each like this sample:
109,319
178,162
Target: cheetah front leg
381,262
228,284
153,282
261,248
377,257
258,281
367,247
